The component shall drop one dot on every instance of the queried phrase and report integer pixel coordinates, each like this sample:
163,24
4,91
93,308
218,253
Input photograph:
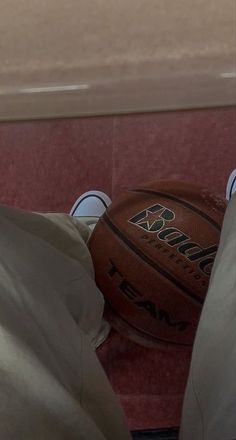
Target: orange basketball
153,252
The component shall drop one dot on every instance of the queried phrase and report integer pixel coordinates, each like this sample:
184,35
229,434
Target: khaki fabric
52,385
209,411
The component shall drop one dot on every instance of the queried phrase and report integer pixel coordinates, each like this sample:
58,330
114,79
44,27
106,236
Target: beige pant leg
52,385
209,411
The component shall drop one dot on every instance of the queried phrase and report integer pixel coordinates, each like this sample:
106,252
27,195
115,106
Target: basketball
153,251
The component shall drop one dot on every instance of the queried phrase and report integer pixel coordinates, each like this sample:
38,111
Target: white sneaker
231,185
91,204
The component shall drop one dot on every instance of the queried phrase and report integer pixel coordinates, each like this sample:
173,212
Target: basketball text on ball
148,220
172,255
154,219
134,295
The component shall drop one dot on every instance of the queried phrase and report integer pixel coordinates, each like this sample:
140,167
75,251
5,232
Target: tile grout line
112,158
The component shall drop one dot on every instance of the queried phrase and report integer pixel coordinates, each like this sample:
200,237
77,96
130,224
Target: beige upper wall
104,56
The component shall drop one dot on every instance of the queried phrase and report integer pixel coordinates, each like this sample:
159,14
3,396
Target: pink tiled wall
44,165
194,146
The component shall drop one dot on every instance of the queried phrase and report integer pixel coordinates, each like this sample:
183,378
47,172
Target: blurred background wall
87,57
